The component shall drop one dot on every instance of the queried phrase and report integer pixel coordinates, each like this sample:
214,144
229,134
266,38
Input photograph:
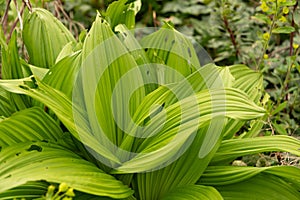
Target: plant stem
28,4
5,17
287,79
266,44
285,86
16,21
232,36
293,33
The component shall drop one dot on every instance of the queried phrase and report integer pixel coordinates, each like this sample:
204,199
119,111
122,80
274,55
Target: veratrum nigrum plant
125,115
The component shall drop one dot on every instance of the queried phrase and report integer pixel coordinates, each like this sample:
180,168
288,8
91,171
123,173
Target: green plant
281,70
115,117
263,35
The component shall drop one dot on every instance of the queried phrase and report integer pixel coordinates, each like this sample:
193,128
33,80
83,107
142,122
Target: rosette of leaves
74,137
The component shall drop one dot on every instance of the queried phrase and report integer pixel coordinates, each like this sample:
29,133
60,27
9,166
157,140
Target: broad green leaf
234,148
44,37
109,85
84,196
99,32
224,175
193,192
29,190
31,124
187,170
6,109
11,66
261,186
3,40
40,73
250,82
67,50
135,49
122,12
171,48
206,77
184,171
13,84
64,109
12,69
33,161
284,30
187,115
68,67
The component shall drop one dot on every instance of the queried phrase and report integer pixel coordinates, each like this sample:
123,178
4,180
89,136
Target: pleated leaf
259,187
5,105
207,139
147,69
2,39
109,84
193,192
68,67
44,37
187,171
225,175
64,109
194,112
40,73
12,69
67,50
250,82
171,48
32,161
31,124
30,190
122,12
234,148
11,66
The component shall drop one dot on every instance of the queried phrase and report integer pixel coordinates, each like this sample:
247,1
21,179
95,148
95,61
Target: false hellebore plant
117,115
